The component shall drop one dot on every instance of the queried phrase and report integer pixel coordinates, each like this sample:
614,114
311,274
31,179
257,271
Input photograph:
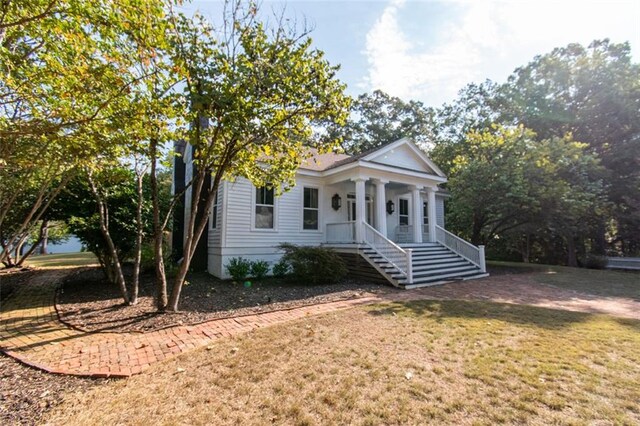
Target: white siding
404,157
440,211
215,235
239,231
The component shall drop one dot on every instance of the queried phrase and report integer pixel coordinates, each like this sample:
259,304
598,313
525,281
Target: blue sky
429,49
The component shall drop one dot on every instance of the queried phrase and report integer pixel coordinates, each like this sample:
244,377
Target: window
425,213
403,213
310,209
214,212
264,208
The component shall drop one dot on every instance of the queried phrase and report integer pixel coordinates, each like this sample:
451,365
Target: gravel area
26,394
89,303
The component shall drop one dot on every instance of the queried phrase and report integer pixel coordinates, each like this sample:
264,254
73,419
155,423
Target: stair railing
463,248
389,251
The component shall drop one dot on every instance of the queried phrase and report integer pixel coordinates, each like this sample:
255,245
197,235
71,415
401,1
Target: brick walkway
30,330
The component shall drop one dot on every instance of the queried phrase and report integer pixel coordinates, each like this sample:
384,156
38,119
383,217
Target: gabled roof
383,155
320,162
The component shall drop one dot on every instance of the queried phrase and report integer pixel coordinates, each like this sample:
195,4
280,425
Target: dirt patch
26,394
89,303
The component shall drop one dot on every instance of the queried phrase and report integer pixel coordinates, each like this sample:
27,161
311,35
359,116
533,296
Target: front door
351,208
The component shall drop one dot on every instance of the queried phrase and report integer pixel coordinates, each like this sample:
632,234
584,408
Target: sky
428,50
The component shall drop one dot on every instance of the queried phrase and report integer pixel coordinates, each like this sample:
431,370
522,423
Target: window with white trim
403,211
310,209
264,208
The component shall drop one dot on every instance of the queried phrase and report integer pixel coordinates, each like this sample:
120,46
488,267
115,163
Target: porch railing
464,248
390,251
341,232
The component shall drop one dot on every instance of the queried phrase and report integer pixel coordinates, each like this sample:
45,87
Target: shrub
314,265
593,261
281,269
259,269
238,268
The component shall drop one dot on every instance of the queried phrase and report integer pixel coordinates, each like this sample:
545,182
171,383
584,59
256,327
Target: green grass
427,362
62,260
605,283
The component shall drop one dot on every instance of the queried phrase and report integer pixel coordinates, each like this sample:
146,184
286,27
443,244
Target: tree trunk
526,249
571,251
193,234
43,232
104,228
135,280
161,277
44,236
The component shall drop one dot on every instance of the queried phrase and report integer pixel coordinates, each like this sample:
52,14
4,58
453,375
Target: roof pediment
404,154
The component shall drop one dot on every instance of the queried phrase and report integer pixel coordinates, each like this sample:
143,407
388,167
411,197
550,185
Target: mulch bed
26,394
87,302
11,278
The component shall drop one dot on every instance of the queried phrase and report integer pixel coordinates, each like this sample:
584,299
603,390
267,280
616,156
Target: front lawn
62,260
455,362
591,281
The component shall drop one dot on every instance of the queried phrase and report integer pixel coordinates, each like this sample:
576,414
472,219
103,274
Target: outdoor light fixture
336,202
390,207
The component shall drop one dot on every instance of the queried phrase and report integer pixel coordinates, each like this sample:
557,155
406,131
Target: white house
383,207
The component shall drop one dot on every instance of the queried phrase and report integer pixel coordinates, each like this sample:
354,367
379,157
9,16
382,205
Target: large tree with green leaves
511,185
592,93
377,118
256,93
67,74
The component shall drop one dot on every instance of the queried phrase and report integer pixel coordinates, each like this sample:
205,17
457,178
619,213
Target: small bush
593,261
314,265
259,269
281,269
238,268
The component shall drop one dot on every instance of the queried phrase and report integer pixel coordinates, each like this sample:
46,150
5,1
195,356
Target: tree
594,94
255,94
66,72
513,186
478,108
377,118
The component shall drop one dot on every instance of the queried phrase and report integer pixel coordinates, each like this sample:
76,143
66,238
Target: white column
431,210
381,201
360,209
417,213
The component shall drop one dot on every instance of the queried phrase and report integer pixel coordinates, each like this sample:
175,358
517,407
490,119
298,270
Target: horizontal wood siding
215,235
360,269
239,230
440,211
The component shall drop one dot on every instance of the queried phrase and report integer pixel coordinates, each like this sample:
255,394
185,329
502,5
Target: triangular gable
405,154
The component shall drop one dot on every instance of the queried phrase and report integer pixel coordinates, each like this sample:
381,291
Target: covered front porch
402,212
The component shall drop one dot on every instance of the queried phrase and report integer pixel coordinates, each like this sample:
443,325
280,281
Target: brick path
30,330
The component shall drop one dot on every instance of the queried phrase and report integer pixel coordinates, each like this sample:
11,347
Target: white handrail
463,248
388,250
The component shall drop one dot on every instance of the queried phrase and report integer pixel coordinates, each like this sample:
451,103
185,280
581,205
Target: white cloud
486,40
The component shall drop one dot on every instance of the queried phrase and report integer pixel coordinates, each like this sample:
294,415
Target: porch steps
433,264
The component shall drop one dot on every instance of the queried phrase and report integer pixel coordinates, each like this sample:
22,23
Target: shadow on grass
545,318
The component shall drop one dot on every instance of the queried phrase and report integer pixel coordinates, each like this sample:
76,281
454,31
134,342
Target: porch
394,226
402,212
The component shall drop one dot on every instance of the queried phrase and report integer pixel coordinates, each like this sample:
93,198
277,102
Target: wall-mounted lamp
336,202
390,207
